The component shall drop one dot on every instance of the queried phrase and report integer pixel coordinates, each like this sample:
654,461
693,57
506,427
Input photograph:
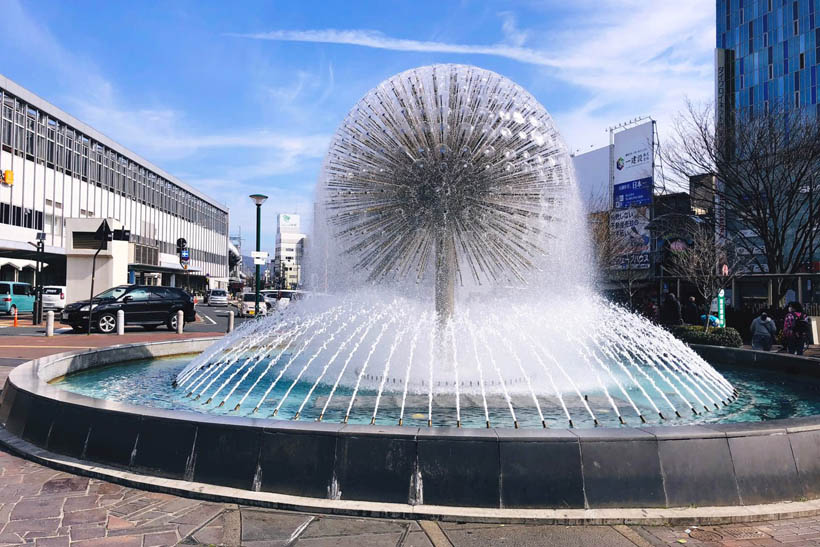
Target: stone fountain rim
765,465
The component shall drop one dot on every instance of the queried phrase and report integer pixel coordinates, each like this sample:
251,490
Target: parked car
53,298
16,296
145,305
247,307
217,297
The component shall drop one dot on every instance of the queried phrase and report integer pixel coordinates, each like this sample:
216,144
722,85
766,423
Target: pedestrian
795,329
763,330
670,311
691,313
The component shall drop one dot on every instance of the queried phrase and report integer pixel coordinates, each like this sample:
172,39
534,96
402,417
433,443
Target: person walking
795,329
691,313
763,330
670,311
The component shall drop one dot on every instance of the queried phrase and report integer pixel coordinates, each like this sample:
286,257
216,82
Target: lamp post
258,199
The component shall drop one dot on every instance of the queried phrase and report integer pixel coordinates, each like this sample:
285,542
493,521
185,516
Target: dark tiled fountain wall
721,464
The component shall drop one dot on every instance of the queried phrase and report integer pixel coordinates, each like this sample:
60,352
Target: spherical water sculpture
445,167
452,179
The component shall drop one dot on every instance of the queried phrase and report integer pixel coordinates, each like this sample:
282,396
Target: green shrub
692,334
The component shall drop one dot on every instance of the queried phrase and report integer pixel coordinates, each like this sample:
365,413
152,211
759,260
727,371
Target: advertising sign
634,167
633,153
633,194
628,228
288,223
721,302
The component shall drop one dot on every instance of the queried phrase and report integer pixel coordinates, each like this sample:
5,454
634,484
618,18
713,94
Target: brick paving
47,508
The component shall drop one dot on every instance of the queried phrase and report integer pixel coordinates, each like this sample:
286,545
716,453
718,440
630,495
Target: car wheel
149,327
171,322
107,323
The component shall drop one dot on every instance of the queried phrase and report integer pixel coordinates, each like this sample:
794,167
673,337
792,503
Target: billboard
288,222
628,228
635,193
633,176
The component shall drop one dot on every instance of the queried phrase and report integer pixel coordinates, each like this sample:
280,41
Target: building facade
58,168
767,50
290,248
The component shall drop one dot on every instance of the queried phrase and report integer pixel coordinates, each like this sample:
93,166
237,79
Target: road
209,319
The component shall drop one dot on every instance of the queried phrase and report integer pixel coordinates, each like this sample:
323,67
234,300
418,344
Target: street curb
567,517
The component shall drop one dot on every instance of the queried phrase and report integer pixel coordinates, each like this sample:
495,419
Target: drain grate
744,532
705,535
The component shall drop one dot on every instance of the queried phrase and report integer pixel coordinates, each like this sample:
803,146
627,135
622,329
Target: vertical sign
721,300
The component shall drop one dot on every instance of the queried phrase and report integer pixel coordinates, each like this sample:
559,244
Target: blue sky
242,97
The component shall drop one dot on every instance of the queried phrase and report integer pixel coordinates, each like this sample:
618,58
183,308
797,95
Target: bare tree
761,166
707,264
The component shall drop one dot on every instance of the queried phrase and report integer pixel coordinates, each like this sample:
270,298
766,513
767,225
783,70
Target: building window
802,61
771,72
797,98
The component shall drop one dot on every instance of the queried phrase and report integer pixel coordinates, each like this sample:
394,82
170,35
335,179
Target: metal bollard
180,321
230,321
120,322
50,323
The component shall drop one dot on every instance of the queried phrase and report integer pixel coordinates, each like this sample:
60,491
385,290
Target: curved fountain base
408,471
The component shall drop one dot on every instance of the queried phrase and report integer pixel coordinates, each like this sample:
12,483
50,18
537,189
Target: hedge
692,334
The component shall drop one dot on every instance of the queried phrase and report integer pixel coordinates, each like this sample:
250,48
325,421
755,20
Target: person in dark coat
691,313
670,311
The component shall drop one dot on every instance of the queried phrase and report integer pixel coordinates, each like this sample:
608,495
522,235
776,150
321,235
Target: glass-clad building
55,167
767,51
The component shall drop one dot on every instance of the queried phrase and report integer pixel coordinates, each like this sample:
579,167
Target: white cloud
375,39
627,57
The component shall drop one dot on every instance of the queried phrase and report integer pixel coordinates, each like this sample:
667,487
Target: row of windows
47,141
34,135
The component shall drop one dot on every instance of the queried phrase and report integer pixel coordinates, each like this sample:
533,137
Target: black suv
144,305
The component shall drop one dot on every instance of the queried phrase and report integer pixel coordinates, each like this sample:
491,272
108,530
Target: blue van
16,295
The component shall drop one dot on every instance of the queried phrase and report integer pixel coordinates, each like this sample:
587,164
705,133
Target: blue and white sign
635,193
184,255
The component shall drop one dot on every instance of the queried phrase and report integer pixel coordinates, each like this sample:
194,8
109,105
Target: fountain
442,180
453,353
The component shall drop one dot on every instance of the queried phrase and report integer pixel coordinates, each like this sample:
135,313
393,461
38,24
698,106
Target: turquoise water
763,396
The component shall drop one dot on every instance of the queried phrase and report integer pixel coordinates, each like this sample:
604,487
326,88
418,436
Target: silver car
218,297
53,298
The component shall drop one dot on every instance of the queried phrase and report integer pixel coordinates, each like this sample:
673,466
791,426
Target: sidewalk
812,351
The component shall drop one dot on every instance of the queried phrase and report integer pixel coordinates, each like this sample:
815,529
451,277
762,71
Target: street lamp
258,199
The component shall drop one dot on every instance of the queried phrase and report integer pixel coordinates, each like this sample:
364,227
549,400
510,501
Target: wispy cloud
375,39
625,57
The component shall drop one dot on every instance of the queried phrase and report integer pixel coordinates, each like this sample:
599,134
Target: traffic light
181,244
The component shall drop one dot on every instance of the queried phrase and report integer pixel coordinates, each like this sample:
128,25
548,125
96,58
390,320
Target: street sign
259,261
260,254
185,254
721,308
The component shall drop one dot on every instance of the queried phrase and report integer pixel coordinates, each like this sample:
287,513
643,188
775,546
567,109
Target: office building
57,168
290,247
767,51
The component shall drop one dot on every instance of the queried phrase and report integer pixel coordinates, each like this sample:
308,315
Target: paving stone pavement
47,508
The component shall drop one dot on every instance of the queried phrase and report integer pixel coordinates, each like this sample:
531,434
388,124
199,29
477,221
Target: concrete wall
111,264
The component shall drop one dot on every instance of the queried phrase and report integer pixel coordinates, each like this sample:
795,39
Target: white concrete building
290,248
58,168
